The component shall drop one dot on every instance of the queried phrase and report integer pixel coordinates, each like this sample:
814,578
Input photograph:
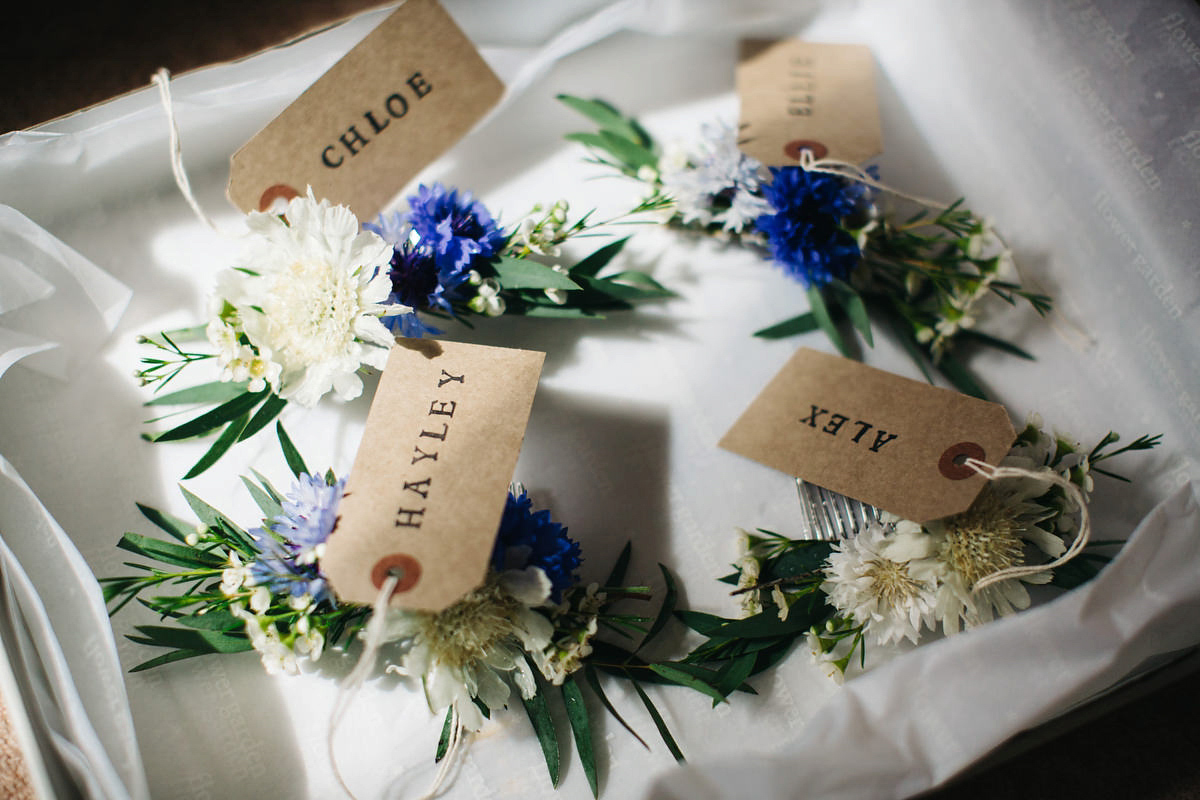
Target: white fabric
1029,109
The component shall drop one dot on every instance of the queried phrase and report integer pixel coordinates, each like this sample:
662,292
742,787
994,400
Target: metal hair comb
829,516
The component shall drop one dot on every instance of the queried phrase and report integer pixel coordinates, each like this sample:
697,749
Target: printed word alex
857,429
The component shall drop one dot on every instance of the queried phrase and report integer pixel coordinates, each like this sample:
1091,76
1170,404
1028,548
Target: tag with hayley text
799,96
888,441
408,91
428,486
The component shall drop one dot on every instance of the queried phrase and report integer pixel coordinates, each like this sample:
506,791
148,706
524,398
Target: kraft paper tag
799,95
891,442
429,482
398,100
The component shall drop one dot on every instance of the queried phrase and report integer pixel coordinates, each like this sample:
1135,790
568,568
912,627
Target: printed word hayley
442,411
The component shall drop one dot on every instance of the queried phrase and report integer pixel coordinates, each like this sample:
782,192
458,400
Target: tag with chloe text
800,95
888,441
394,103
429,482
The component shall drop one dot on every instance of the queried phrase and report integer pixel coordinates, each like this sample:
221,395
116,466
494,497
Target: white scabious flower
715,183
461,652
876,579
307,296
990,536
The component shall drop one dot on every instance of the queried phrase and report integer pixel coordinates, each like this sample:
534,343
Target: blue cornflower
805,233
531,539
290,548
458,230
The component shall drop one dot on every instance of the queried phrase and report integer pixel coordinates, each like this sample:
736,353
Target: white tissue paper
1033,111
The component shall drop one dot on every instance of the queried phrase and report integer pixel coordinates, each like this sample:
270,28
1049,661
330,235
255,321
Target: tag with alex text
428,487
799,96
891,442
398,100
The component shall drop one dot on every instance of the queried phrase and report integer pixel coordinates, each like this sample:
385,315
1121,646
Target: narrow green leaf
209,515
206,393
290,454
166,658
684,678
168,553
704,624
850,301
625,291
560,312
598,259
267,487
640,280
577,714
820,312
543,726
214,419
444,740
269,411
735,672
521,273
269,506
616,576
804,323
211,621
799,561
190,639
658,721
593,679
666,609
994,342
960,377
176,527
803,614
226,440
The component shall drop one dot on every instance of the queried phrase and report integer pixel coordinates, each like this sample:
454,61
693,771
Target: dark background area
1144,743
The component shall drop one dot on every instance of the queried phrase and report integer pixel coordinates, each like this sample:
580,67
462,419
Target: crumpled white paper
621,443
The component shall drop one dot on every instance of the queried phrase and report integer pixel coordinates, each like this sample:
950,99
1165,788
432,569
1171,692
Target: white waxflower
557,296
307,294
875,579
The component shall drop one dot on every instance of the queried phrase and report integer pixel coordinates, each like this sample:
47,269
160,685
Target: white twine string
844,169
353,683
163,79
366,662
1074,492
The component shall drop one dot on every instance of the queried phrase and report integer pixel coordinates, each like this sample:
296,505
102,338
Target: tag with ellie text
408,91
893,443
429,482
800,95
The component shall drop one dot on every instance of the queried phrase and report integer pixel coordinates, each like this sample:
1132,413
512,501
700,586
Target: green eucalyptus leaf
176,527
820,312
226,440
659,723
577,715
521,273
290,454
598,259
214,419
607,117
685,677
166,658
211,621
269,411
852,303
543,725
632,155
269,505
169,553
804,323
593,679
201,641
206,393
